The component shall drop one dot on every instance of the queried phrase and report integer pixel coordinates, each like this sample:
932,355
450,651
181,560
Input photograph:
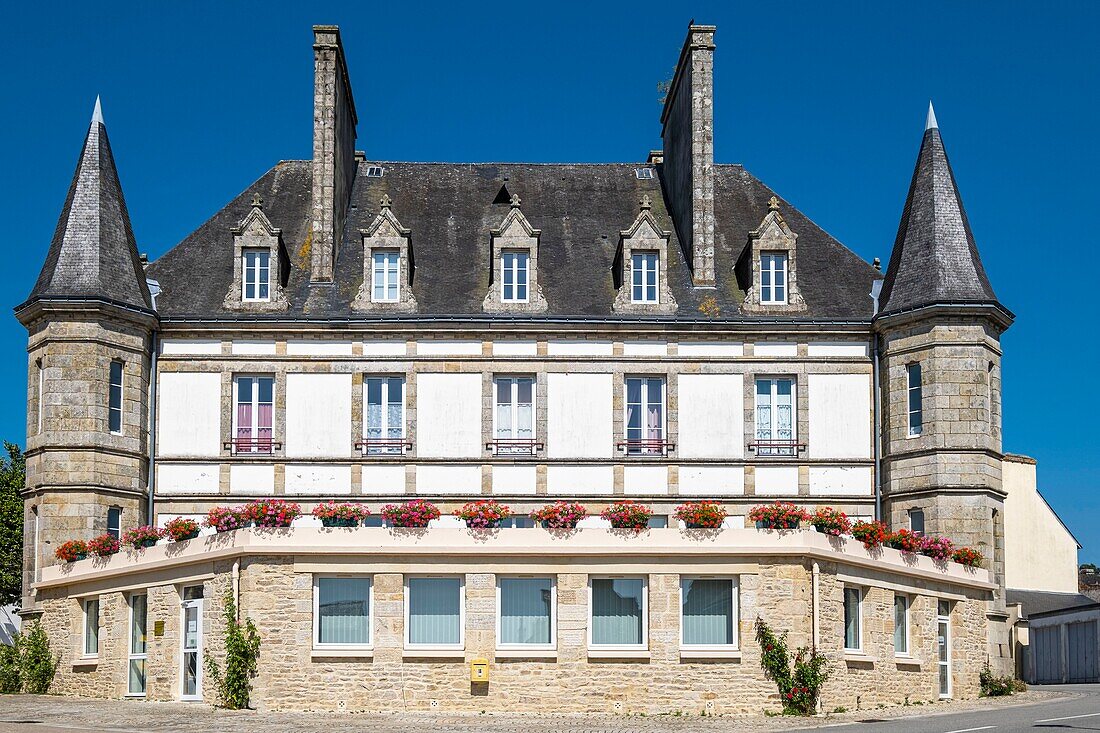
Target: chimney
687,128
334,123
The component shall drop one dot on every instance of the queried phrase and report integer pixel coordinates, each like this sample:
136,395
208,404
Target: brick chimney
688,171
334,123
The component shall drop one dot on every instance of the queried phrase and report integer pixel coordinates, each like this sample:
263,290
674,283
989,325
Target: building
375,331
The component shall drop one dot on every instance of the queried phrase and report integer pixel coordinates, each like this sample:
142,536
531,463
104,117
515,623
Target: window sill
904,660
855,656
343,653
734,654
526,653
86,662
430,653
618,654
135,695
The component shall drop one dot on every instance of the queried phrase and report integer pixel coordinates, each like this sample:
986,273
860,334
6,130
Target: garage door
1081,659
1046,651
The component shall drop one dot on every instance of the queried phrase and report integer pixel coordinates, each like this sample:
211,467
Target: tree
13,476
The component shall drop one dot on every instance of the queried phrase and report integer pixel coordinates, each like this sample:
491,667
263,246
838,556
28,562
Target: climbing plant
800,678
242,651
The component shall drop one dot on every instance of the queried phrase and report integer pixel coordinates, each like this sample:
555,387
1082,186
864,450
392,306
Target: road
1071,713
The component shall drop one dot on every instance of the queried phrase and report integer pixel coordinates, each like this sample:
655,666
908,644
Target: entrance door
943,641
1081,652
191,673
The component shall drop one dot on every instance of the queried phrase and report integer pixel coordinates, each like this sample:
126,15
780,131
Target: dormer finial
386,202
514,201
773,204
257,202
645,203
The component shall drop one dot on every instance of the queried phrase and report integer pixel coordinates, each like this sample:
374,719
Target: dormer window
773,278
257,275
514,276
385,276
644,268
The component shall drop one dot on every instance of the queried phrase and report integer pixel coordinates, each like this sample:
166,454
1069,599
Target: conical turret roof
934,260
93,254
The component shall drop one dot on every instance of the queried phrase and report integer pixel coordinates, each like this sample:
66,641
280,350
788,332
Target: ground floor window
341,611
901,624
853,602
433,612
91,627
618,613
138,614
708,612
526,612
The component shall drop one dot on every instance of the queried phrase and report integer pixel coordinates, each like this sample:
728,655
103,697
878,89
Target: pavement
1050,709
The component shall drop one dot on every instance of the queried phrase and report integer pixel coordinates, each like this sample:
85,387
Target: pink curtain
263,427
244,421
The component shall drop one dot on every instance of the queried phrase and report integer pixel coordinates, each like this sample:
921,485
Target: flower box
485,514
560,515
271,513
832,522
701,514
905,540
937,548
628,515
412,514
871,534
104,545
227,519
71,551
181,529
332,514
967,556
140,538
780,515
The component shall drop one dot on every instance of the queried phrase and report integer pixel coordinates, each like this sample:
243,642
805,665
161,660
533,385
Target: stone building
375,331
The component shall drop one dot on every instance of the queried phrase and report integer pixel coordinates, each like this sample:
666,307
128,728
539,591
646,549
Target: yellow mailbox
479,670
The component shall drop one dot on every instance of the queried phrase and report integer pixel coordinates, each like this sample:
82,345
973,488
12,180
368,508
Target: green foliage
799,679
13,477
242,651
10,682
994,686
37,665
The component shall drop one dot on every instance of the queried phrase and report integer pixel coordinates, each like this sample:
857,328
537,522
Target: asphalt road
1074,713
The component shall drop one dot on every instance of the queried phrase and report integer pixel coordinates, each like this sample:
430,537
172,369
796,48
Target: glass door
943,640
192,644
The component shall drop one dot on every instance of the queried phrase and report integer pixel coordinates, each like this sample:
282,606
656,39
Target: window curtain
764,410
525,409
374,408
617,611
395,418
91,628
265,409
633,409
851,618
656,405
525,610
434,614
708,611
784,426
504,409
343,610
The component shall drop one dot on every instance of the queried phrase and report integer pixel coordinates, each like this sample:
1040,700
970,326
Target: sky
825,102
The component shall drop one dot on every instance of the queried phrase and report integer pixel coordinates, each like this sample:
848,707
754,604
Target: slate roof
93,253
1037,602
935,259
450,209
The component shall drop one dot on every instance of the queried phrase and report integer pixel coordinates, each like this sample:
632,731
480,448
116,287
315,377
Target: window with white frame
384,422
91,627
708,613
514,415
643,277
114,521
773,278
254,416
853,610
775,417
514,276
114,398
915,397
341,611
645,416
384,276
618,613
138,618
434,613
256,275
526,612
901,624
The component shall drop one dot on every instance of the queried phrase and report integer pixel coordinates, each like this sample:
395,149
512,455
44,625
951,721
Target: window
658,521
916,395
91,627
114,522
525,608
943,646
385,420
40,377
645,416
514,415
643,173
341,611
385,281
773,278
618,613
643,277
517,522
434,613
255,408
257,275
901,624
853,602
114,409
916,520
775,425
514,270
138,614
708,610
375,171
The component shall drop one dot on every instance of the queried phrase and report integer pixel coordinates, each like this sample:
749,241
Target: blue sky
823,101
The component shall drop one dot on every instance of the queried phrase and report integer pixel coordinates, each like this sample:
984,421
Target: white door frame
196,603
943,656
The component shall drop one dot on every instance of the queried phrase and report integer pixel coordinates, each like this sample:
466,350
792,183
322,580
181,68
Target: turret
90,320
